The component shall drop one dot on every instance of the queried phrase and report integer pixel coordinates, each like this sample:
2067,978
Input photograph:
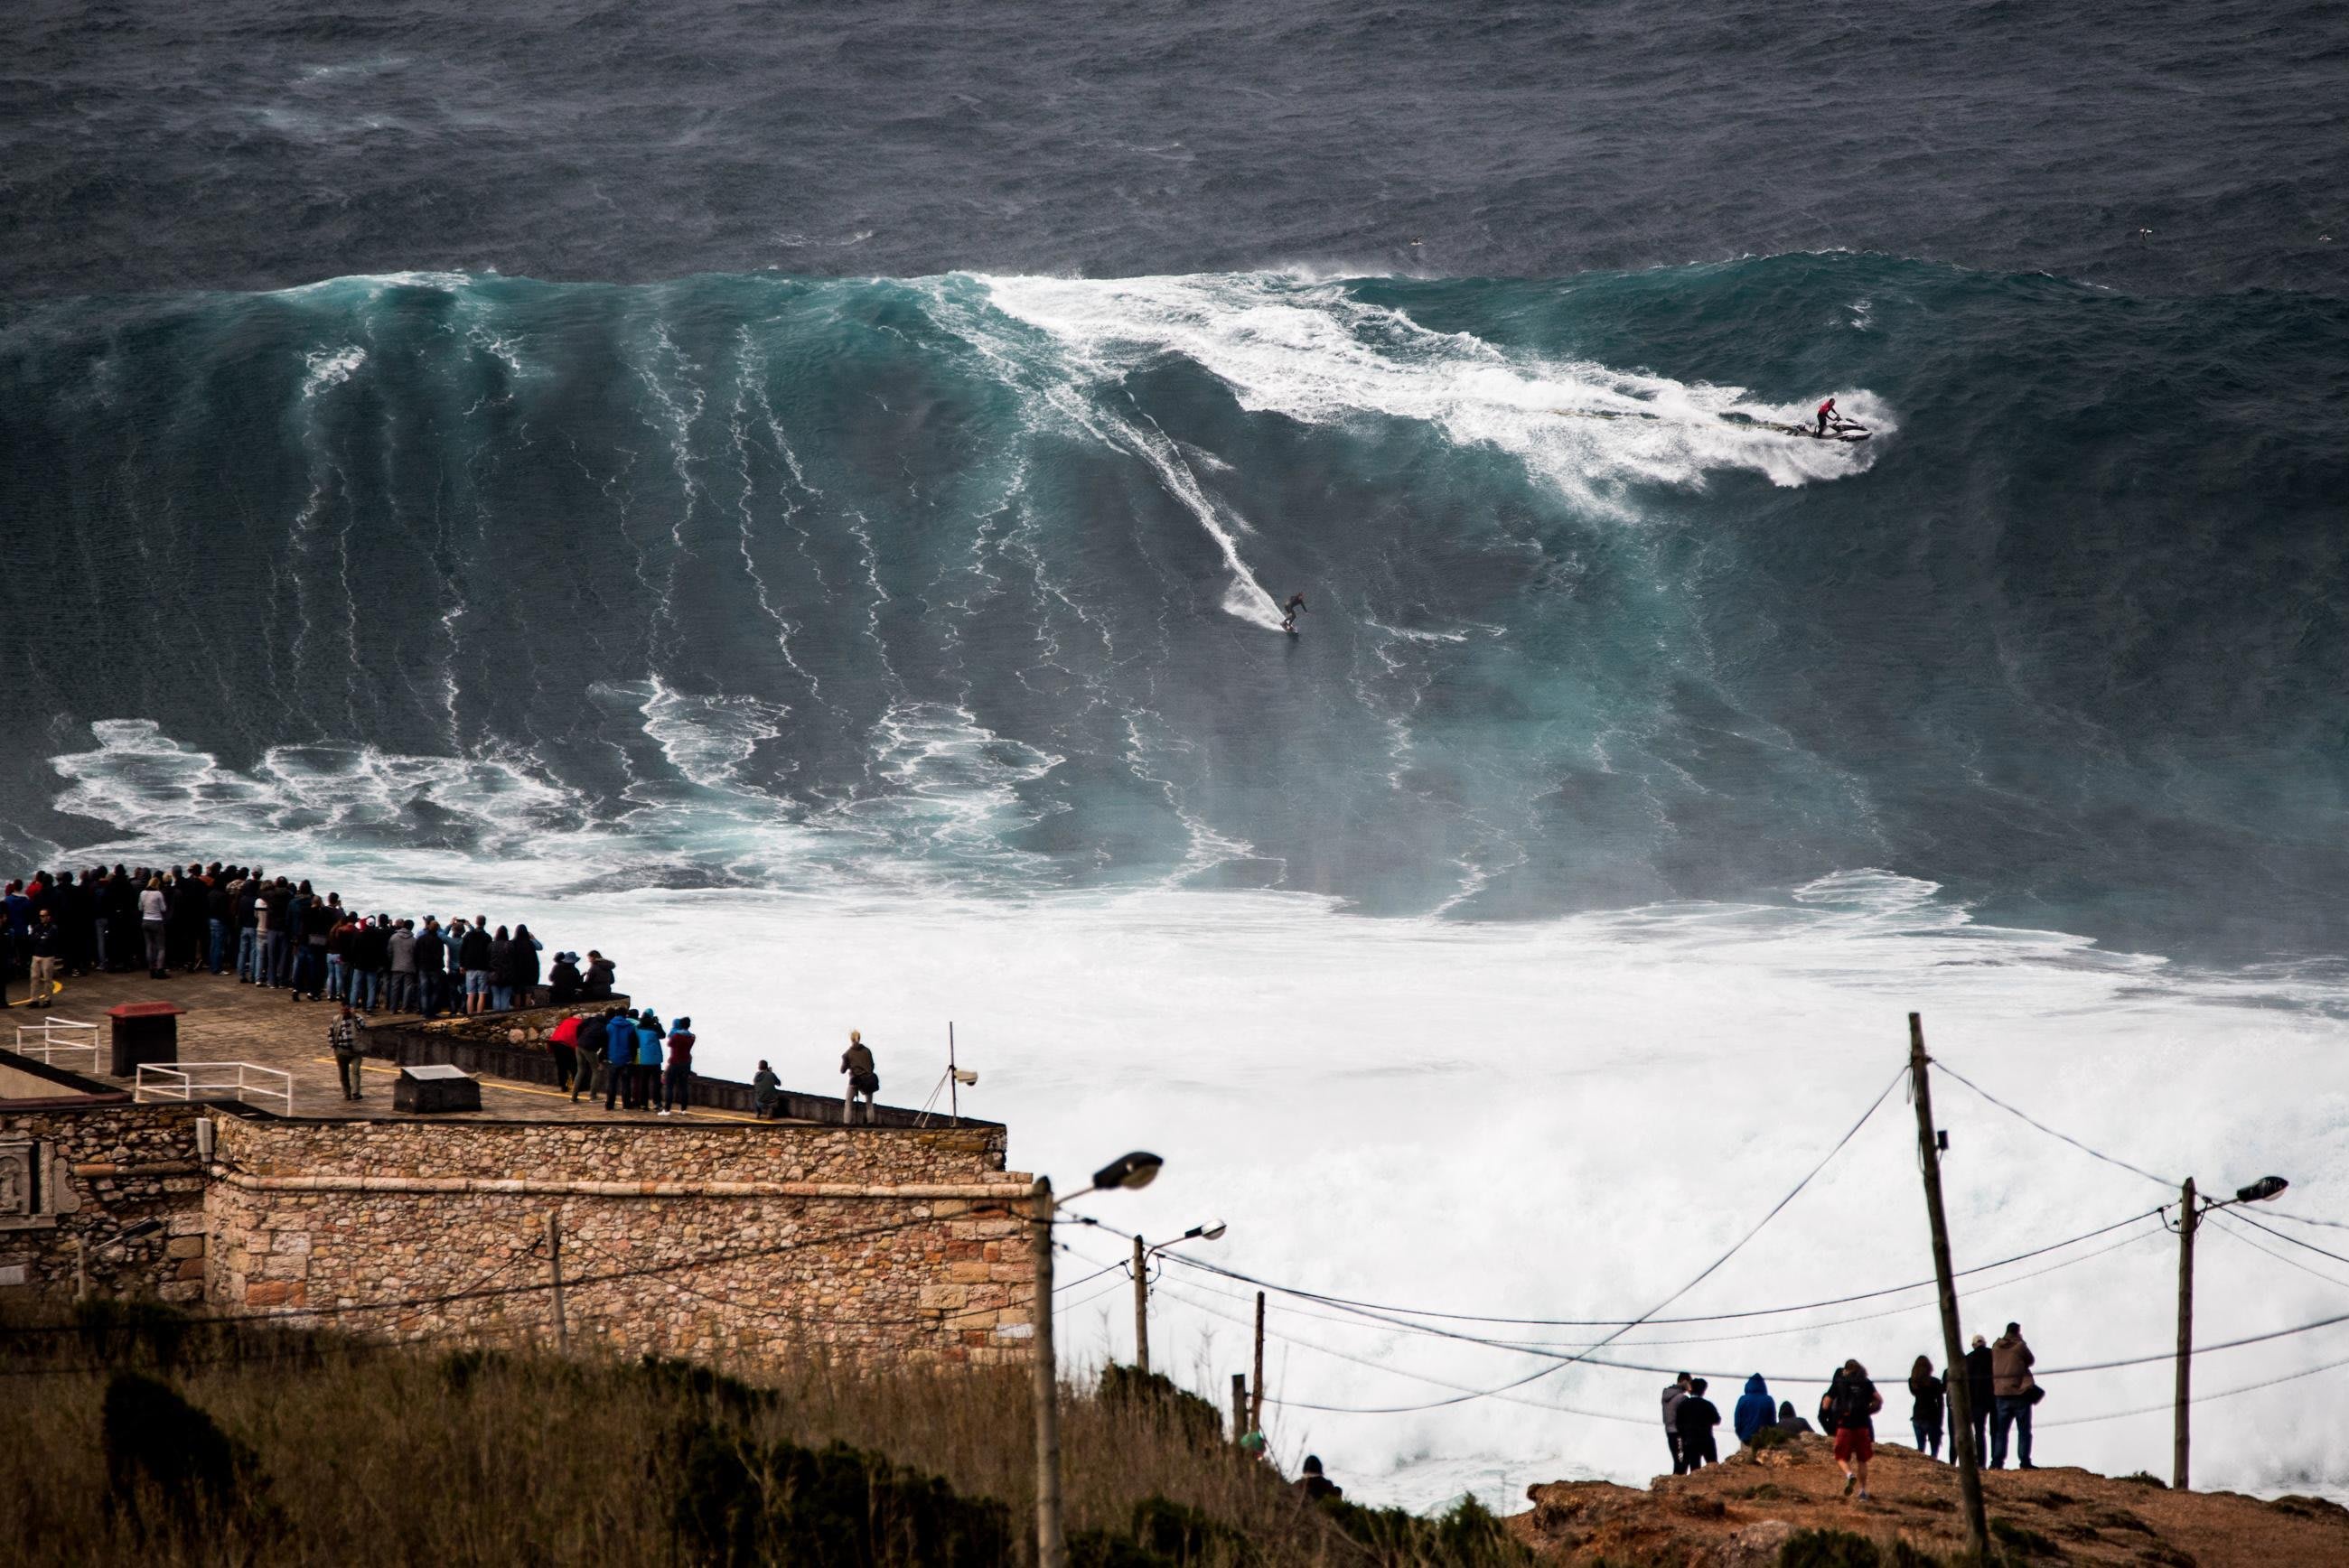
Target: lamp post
2191,1211
1132,1173
1213,1230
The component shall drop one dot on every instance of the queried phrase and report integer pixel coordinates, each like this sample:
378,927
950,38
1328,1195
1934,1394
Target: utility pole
1051,1549
954,1083
554,1263
1140,1307
2187,1222
1960,1392
1255,1389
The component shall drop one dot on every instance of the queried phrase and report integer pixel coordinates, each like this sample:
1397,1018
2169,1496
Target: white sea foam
1312,351
326,367
1558,1118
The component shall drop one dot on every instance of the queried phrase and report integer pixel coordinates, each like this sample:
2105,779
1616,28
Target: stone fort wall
746,1245
743,1245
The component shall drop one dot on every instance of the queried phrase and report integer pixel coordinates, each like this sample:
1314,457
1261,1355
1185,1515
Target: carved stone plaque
17,1191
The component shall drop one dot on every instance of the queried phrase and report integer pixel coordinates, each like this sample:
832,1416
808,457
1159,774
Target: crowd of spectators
277,933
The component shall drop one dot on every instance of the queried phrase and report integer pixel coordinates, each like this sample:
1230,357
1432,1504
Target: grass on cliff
138,1435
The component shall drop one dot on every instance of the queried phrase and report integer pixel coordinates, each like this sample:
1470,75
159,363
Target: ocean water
800,506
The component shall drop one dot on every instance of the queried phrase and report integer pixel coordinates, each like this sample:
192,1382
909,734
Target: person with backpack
1674,1392
1756,1410
857,1063
1856,1402
2016,1391
1926,1393
1696,1417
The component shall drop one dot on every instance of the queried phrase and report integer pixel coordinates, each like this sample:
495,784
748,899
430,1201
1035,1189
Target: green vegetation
141,1435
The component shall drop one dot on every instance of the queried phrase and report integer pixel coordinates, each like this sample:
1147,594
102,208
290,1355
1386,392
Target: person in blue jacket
1754,1409
619,1056
649,1036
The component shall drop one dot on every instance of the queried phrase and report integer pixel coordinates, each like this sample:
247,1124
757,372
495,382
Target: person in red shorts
1854,1401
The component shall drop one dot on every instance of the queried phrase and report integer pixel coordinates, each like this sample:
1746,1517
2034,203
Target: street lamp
1213,1230
2191,1211
1132,1173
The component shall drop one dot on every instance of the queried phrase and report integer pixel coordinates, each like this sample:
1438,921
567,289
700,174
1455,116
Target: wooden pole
1255,1388
81,1268
1960,1392
1239,1407
554,1265
1051,1549
1141,1306
2188,1222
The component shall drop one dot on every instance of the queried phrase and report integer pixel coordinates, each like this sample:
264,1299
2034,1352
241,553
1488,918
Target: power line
2166,1405
1701,1275
2050,1132
2307,1220
1356,1321
2289,1262
2235,1213
1347,1303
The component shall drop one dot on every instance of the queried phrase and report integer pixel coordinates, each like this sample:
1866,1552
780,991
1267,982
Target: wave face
875,654
969,582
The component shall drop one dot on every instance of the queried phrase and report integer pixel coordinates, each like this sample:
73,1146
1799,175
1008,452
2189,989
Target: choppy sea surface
799,501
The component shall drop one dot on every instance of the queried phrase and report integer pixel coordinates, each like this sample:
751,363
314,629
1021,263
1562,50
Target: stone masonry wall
744,1245
87,1172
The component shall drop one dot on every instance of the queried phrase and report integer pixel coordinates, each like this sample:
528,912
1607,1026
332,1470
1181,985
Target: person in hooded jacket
562,980
1754,1410
650,1036
595,984
526,949
1926,1393
619,1054
1789,1422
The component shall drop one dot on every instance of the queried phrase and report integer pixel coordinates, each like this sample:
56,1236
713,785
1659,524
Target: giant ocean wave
886,652
788,579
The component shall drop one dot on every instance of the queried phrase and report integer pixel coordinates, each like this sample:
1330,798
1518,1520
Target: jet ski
1837,429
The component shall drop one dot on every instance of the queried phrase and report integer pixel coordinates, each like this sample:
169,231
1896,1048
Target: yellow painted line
504,1088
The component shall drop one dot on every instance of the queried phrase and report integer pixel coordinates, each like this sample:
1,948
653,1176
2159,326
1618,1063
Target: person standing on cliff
1979,1383
1855,1402
857,1061
343,1035
619,1054
766,1091
1696,1417
2010,1385
680,1075
1674,1392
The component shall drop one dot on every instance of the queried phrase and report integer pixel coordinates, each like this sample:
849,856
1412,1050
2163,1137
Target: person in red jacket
1827,412
563,1045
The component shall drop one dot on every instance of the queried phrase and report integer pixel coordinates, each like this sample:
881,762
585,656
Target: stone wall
746,1245
87,1172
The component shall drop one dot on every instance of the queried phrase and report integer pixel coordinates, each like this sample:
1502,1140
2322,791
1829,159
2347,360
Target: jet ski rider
1827,412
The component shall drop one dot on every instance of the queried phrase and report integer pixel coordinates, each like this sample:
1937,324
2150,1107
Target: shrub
742,1502
197,1471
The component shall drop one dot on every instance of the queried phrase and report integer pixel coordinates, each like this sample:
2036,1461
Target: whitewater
883,654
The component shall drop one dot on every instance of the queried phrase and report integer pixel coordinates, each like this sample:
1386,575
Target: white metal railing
51,1036
245,1081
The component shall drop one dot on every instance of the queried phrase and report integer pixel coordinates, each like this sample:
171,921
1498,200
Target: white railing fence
52,1037
243,1081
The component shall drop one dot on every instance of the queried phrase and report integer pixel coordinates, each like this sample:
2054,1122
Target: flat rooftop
228,1021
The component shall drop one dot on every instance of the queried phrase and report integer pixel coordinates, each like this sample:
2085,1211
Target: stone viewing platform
226,1021
708,1233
